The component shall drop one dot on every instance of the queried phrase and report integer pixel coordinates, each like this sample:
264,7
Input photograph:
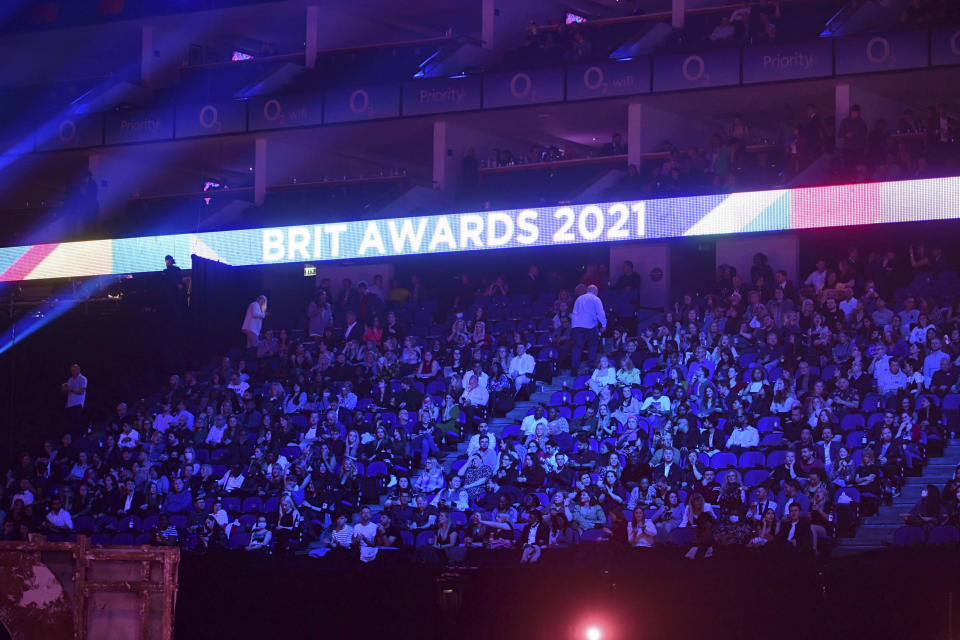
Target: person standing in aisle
253,321
588,321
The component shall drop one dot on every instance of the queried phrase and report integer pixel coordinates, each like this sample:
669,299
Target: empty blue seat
129,523
755,477
776,458
252,505
853,421
767,424
723,460
751,460
909,536
239,540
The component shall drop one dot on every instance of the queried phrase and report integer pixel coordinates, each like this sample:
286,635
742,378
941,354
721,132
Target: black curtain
219,296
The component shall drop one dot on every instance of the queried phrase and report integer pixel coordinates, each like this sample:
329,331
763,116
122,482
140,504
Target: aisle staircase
877,531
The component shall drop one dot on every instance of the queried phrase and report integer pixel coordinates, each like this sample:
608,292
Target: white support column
312,35
873,105
843,99
635,142
488,11
260,171
782,251
678,13
648,127
96,165
647,259
146,56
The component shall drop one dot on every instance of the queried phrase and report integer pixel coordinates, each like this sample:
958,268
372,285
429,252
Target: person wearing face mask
733,530
260,536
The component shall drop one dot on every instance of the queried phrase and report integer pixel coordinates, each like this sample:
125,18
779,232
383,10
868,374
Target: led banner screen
777,210
677,72
290,110
882,52
945,46
211,118
141,125
368,103
618,78
441,95
523,87
70,131
787,62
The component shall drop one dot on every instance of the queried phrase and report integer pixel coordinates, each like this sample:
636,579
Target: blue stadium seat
767,424
755,477
751,460
129,523
122,540
853,421
775,458
252,505
723,460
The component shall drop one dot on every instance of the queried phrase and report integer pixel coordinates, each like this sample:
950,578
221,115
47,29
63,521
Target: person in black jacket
561,474
211,537
409,396
890,457
794,531
534,537
668,469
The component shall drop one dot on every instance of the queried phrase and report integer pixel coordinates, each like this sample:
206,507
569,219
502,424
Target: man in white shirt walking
76,389
587,320
253,320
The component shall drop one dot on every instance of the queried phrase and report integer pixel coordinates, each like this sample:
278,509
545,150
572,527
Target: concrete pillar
260,171
146,56
487,14
634,133
678,13
312,35
451,143
503,22
651,260
873,106
113,184
782,251
648,127
442,177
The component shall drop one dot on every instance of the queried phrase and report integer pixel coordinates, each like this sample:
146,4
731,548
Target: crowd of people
742,156
739,157
920,146
927,14
762,414
577,39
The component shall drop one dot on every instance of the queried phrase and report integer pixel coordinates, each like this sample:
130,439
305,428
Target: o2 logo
694,69
360,103
209,118
593,79
521,87
67,131
878,52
